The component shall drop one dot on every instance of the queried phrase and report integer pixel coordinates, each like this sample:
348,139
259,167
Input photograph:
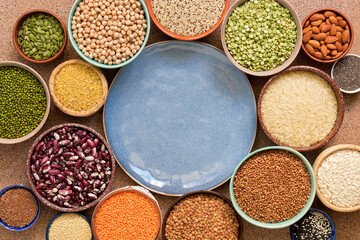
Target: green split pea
260,35
22,102
41,36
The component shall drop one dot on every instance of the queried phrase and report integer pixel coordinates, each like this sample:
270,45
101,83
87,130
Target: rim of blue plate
58,215
37,201
107,139
332,224
99,64
290,221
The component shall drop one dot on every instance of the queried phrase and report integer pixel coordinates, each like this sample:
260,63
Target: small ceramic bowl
340,102
293,55
323,155
99,64
29,171
70,111
37,215
18,25
187,38
332,224
350,28
135,189
241,229
287,222
47,110
332,74
60,214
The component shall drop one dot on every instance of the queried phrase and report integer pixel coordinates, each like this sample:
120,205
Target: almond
342,23
333,30
339,18
307,23
347,27
345,46
309,49
339,47
315,30
328,57
327,14
333,20
307,37
331,46
318,55
331,39
338,35
345,36
325,28
323,50
322,42
315,17
306,29
334,52
339,29
320,36
314,43
328,21
316,23
337,55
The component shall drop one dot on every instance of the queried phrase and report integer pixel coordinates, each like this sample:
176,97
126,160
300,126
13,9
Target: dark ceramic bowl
340,110
18,25
51,204
351,29
37,215
196,193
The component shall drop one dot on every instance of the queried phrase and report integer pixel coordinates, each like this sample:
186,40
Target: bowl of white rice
302,108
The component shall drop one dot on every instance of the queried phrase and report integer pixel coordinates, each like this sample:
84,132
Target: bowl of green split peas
261,37
24,102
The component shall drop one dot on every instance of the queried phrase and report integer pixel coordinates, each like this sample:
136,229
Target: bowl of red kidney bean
70,167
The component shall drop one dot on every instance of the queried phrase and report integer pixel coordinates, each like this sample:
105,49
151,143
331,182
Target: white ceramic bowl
332,74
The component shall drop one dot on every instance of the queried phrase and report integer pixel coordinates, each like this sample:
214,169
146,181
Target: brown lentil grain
18,207
272,186
70,226
188,17
78,87
202,216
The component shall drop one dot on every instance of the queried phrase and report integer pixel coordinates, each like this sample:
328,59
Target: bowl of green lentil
273,187
24,102
261,38
39,36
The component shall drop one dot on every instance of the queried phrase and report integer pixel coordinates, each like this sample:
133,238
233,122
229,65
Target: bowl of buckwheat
109,33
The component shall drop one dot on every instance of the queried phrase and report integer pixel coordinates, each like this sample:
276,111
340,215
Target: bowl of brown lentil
109,33
78,88
189,19
24,102
337,174
273,187
202,215
39,36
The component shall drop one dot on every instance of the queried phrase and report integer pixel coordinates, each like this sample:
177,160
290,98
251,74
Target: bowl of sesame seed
188,19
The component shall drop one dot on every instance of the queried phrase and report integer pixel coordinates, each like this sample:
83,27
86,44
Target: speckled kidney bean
70,167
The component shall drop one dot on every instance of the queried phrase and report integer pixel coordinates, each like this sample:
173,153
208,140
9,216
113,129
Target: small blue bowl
37,215
332,224
58,215
99,64
288,222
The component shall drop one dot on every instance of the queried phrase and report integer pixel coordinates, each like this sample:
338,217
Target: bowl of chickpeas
109,33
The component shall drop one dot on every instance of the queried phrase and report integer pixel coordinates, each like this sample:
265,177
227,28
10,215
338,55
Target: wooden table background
13,157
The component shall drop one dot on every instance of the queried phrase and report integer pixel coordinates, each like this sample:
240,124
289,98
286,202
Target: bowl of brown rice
301,107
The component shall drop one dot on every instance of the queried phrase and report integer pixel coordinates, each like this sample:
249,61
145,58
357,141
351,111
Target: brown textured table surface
13,157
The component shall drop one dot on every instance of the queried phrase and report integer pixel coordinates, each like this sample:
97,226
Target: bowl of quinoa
273,187
78,88
188,19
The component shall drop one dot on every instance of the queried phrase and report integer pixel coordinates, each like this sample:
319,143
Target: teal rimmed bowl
298,216
99,64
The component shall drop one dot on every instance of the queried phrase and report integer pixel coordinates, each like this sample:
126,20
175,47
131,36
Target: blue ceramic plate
180,117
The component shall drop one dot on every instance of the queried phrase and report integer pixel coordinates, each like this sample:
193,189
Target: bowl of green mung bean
261,38
39,36
24,102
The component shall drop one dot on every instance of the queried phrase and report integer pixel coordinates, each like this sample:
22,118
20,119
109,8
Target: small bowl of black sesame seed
345,72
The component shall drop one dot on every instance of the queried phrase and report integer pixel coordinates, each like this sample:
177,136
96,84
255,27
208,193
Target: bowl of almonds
327,35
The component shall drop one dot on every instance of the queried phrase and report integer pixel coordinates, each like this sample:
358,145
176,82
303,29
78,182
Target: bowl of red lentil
189,19
19,207
202,215
70,167
128,213
273,187
78,88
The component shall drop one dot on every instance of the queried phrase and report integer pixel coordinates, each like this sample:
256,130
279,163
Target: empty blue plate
180,117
